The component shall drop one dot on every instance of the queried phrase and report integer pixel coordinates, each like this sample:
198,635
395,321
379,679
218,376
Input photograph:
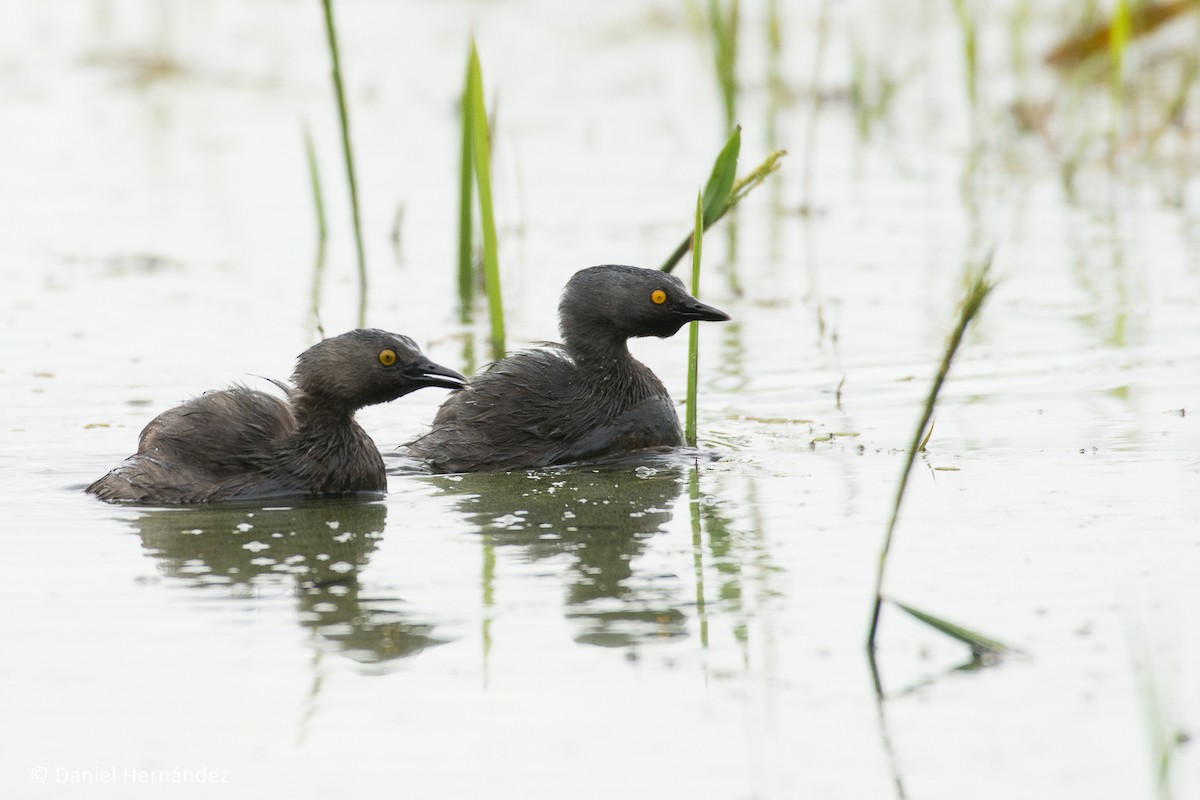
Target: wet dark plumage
238,443
584,398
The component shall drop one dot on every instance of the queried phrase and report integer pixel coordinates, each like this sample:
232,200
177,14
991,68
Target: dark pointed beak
693,309
427,373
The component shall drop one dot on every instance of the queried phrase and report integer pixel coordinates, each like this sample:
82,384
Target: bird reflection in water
319,546
603,518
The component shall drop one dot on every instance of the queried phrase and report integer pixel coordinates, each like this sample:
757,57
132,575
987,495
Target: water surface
660,627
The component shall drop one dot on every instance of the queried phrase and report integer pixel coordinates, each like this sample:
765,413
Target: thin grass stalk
466,271
724,21
348,153
1018,29
689,428
481,155
723,24
1163,732
966,23
1174,110
468,353
776,91
775,85
814,108
977,292
1118,41
314,179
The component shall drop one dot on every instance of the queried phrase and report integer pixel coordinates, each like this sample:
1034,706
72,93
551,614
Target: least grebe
574,401
239,443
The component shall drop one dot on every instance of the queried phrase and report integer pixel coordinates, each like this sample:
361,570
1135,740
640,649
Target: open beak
693,309
427,373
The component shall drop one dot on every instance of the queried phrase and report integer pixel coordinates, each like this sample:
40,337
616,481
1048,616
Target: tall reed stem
977,292
689,429
348,153
466,271
481,155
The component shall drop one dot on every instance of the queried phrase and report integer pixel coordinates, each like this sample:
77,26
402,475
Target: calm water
667,627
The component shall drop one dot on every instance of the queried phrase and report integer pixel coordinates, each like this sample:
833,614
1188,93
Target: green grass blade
481,155
741,187
348,153
314,179
977,292
980,645
720,182
689,431
466,271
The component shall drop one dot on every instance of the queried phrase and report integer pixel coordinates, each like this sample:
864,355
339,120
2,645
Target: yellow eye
658,297
387,357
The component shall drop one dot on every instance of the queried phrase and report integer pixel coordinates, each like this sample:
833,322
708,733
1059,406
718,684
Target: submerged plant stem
698,552
348,152
977,292
488,581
